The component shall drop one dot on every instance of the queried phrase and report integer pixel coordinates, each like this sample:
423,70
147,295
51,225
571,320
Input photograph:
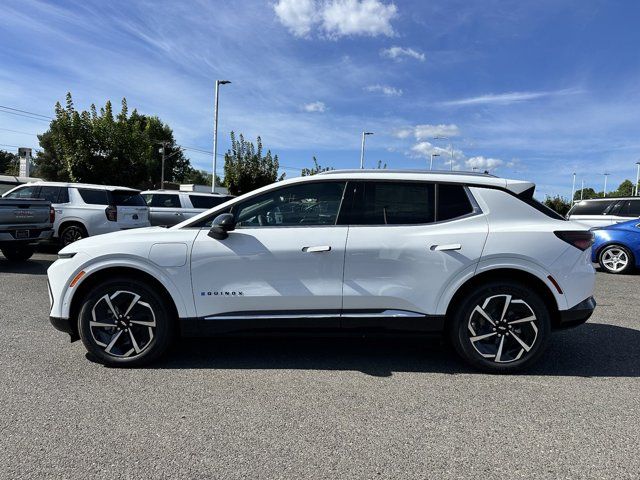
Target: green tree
245,168
100,147
587,193
315,169
9,163
558,203
625,189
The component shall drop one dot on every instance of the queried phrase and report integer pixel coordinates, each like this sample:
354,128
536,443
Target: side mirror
222,225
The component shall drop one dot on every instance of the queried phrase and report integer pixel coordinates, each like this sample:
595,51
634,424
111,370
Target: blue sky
529,89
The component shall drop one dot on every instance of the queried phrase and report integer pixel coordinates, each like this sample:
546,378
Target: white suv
169,207
84,210
357,252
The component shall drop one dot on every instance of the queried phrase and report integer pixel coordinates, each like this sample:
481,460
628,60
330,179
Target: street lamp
431,162
364,134
573,188
450,147
215,134
582,189
637,178
605,183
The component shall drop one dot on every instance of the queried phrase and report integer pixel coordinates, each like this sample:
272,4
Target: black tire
495,348
72,233
18,254
100,340
626,260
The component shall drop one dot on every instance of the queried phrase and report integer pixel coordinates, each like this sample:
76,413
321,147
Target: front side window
25,192
312,203
391,203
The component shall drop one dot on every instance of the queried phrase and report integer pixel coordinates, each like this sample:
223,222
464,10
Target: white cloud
396,53
314,107
337,18
430,131
385,90
297,15
403,132
482,163
510,97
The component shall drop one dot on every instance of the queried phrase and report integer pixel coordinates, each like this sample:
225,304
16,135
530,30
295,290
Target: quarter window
312,203
453,202
391,203
631,208
94,197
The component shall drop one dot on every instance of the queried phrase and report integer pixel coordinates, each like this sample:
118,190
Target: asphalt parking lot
323,408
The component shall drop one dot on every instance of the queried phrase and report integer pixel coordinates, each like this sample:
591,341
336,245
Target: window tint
313,203
50,194
453,202
124,198
590,208
631,208
25,192
162,200
391,203
64,195
205,201
94,197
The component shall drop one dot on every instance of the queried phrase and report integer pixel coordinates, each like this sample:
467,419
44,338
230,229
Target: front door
281,266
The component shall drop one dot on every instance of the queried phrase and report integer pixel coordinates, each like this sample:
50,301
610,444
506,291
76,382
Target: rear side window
53,194
123,198
630,208
391,203
590,208
453,202
204,201
163,200
94,197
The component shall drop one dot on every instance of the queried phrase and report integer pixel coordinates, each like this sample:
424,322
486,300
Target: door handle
178,214
316,249
446,248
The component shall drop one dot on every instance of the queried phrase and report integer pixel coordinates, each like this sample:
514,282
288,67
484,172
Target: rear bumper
578,314
35,235
65,325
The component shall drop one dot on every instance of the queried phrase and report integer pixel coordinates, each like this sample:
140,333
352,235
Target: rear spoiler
522,189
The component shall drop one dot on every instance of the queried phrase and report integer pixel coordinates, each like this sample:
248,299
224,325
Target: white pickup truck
23,223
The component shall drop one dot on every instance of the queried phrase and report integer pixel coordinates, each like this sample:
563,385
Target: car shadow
33,266
591,350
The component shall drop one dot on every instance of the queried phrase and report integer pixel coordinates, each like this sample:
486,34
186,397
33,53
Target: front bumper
65,325
578,314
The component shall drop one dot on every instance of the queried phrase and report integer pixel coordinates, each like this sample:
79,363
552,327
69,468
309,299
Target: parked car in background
617,247
23,223
9,182
469,256
170,207
85,210
599,212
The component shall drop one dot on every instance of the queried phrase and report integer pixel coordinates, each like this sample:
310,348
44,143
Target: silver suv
84,210
170,207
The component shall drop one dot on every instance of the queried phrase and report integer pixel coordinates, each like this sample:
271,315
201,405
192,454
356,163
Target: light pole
637,178
605,183
573,188
582,189
431,162
450,147
162,150
364,134
215,134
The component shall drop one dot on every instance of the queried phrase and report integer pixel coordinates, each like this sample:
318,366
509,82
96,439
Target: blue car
617,247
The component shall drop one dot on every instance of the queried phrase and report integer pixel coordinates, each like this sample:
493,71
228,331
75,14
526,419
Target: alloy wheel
503,328
71,234
615,259
122,325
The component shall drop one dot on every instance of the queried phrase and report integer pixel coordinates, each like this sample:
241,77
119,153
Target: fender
185,308
517,263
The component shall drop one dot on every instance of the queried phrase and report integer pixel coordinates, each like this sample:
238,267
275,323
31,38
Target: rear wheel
18,254
72,233
501,327
615,259
125,324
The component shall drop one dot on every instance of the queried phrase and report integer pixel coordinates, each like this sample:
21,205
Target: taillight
112,213
52,214
578,238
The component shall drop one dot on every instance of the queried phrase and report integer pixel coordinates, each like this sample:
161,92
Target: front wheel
615,259
125,324
501,327
18,254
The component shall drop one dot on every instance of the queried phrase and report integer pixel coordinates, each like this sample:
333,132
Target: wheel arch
509,274
66,223
131,273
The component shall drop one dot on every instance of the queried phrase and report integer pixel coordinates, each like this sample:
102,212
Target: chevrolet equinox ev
470,256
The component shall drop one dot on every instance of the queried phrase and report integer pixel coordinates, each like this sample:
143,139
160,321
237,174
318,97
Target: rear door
627,210
131,207
406,242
